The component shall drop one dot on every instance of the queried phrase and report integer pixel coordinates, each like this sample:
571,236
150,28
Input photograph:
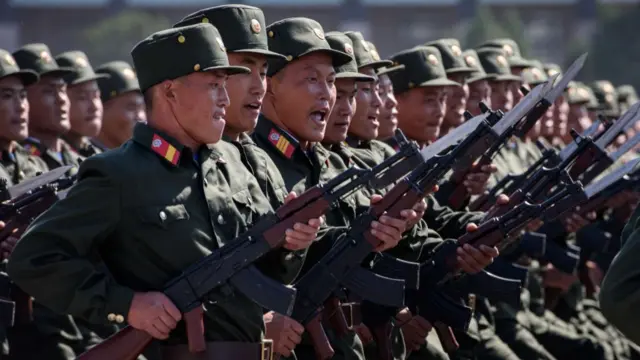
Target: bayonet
35,182
606,181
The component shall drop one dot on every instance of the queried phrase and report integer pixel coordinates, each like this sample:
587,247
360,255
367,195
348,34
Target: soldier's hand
414,329
552,277
363,333
389,230
154,313
476,182
302,235
473,259
6,247
420,209
574,222
285,332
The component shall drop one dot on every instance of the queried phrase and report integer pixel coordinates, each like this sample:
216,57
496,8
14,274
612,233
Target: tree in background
486,26
114,37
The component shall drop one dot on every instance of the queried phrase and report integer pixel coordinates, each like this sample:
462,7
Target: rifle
20,205
233,264
493,142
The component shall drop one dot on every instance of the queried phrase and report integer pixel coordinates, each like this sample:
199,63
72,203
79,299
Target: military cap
495,63
534,76
122,79
385,69
9,67
78,62
472,60
362,52
578,93
451,56
511,51
607,97
627,96
199,46
552,69
342,42
423,68
296,37
37,57
242,27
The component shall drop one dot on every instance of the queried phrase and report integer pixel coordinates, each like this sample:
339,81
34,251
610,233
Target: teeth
316,116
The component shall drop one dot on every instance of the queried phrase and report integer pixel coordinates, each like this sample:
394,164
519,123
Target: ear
272,84
169,90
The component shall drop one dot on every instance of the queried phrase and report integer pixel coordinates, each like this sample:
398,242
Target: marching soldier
122,103
85,110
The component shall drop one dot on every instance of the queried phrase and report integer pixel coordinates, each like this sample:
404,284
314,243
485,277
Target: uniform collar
282,141
165,146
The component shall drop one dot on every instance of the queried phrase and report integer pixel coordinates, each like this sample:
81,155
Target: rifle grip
195,330
447,338
336,317
321,344
126,344
382,336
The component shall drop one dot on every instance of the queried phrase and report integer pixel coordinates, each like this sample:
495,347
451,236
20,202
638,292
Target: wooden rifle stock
335,316
126,344
447,338
321,344
460,194
382,336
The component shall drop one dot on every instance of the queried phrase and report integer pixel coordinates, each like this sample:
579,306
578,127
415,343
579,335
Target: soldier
607,98
494,62
85,110
627,96
48,107
14,119
135,232
122,102
478,83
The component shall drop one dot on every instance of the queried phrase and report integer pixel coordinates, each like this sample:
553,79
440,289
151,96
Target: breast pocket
164,216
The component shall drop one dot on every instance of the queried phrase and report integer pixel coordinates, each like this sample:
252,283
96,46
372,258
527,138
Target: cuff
118,303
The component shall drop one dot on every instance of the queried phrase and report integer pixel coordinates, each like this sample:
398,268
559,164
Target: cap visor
27,77
376,64
81,80
387,70
229,70
460,70
267,53
507,78
354,75
339,58
439,82
520,62
61,72
473,79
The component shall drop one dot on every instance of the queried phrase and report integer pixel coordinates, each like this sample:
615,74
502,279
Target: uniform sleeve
446,222
620,290
52,261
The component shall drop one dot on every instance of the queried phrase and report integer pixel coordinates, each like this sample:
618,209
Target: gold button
205,20
196,67
270,34
111,317
220,219
411,85
119,319
113,93
163,216
181,39
289,57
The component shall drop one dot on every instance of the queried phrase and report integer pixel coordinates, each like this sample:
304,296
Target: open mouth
254,106
318,116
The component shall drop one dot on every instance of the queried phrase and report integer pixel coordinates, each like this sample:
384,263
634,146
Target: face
121,114
456,101
388,117
365,121
578,117
420,112
560,115
246,91
516,93
303,94
501,95
49,105
342,112
198,101
14,110
479,91
85,112
517,70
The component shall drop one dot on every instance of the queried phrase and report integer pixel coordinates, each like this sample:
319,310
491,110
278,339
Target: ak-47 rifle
233,264
20,205
459,195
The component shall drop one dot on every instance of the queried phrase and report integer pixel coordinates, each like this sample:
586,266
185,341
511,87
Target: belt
221,350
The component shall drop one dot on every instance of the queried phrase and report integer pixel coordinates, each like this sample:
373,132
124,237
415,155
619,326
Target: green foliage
114,37
486,26
614,54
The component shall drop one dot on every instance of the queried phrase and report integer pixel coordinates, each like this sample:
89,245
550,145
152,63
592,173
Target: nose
223,98
258,85
376,101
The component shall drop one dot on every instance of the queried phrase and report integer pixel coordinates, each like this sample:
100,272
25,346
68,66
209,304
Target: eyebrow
251,61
